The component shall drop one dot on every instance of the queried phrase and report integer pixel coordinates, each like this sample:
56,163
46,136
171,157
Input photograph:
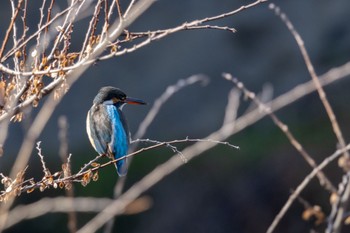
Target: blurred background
224,190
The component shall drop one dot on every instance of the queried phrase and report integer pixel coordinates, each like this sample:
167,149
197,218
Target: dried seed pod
86,178
61,185
95,176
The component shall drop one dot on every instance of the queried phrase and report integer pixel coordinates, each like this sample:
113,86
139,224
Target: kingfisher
106,125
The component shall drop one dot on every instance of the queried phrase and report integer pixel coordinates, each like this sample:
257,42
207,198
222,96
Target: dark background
224,190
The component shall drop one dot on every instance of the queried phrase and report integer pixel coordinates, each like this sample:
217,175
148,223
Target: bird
107,127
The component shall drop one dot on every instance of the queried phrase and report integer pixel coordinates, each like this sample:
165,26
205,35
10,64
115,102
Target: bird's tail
122,167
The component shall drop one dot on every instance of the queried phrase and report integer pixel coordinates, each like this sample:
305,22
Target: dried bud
61,185
347,220
344,162
86,178
66,170
95,176
333,198
18,117
18,54
314,212
95,164
2,93
44,61
30,190
114,49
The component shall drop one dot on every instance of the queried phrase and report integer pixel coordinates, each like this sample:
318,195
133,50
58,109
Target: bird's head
114,96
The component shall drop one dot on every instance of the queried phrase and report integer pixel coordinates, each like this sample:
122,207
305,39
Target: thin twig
120,14
9,29
38,41
173,148
91,29
131,4
47,172
321,92
87,165
24,21
48,19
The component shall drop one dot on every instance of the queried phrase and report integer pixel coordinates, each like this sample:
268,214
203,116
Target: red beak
130,100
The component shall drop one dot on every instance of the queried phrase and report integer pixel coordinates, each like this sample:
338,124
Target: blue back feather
119,139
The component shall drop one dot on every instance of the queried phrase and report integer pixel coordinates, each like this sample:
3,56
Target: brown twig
15,41
91,29
9,29
48,19
106,23
120,14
